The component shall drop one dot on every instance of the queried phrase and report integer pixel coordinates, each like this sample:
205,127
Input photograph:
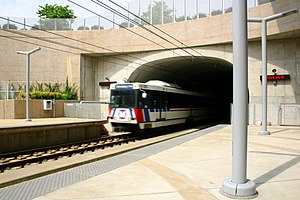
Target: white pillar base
261,132
239,191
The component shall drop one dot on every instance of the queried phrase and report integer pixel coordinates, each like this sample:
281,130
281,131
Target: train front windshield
123,99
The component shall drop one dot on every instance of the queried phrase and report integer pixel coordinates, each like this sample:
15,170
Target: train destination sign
276,77
124,86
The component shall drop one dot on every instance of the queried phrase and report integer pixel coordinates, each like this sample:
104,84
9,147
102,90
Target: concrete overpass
205,67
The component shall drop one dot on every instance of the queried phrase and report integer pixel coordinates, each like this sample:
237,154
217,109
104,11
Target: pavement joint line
183,185
276,147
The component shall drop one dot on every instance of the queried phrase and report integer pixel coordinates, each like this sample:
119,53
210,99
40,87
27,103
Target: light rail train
138,106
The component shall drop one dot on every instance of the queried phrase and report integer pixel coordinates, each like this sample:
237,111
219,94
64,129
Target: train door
159,105
156,108
163,106
155,105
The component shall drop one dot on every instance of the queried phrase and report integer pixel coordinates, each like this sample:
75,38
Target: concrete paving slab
9,123
196,169
133,181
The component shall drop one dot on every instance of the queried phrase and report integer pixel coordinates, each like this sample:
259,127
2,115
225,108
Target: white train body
156,104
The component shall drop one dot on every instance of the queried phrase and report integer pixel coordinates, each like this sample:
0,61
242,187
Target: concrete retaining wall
16,109
89,111
289,114
281,114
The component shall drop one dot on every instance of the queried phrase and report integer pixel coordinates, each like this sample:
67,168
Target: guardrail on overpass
173,11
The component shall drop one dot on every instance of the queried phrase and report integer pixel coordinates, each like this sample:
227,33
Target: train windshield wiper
121,106
125,106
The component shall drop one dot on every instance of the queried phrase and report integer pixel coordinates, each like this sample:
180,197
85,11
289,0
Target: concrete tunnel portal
207,75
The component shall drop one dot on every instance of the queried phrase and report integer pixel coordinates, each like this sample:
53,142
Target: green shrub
96,27
83,28
58,91
9,26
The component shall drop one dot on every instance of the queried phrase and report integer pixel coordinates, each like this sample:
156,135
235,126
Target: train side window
170,99
181,100
155,100
176,100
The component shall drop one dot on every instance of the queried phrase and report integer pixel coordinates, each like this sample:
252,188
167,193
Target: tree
227,10
182,18
179,19
54,17
55,11
96,27
125,25
202,15
264,1
9,26
83,28
216,12
156,14
35,27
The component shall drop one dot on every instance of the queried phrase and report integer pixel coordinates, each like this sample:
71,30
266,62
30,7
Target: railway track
14,168
38,156
21,159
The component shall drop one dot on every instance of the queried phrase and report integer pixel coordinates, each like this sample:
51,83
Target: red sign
276,77
107,83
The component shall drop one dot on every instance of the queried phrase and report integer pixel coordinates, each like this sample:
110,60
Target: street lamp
28,78
263,22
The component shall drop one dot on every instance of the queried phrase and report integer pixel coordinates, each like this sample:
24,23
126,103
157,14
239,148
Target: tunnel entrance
208,75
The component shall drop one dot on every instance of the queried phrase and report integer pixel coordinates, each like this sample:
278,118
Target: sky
28,8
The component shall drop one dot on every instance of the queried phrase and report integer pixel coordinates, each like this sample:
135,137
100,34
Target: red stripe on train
139,115
109,113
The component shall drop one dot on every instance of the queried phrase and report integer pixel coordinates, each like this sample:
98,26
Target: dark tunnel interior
207,75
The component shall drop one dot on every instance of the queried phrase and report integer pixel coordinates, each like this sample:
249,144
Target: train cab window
123,98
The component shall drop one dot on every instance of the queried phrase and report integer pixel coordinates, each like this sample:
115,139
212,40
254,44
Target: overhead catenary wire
56,49
107,7
126,28
143,27
133,21
104,47
164,32
57,34
44,46
145,63
76,40
116,12
172,72
46,40
139,24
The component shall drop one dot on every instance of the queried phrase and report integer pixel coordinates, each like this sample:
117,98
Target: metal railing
152,11
9,90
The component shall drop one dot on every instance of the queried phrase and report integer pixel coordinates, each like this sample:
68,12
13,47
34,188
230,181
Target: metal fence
151,11
9,90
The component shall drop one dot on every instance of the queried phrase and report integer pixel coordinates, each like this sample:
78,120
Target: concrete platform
196,169
193,169
20,135
14,123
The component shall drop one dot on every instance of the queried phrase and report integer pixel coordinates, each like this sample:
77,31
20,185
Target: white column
239,185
